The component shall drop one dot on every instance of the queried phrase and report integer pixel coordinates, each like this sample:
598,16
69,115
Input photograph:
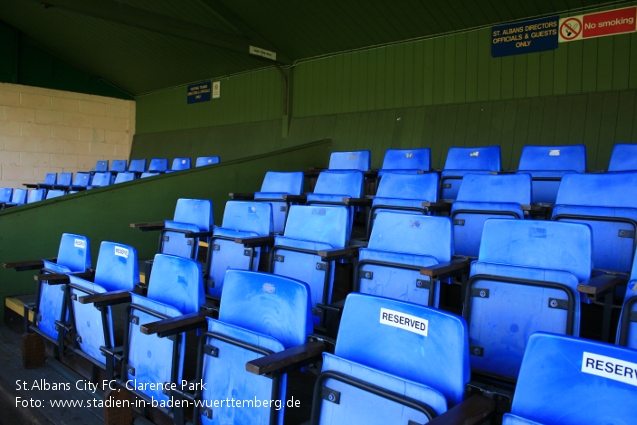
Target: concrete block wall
45,131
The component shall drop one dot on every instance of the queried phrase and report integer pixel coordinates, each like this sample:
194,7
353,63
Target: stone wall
45,131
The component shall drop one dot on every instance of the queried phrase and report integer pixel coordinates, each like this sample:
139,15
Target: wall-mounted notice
216,89
199,92
524,37
611,22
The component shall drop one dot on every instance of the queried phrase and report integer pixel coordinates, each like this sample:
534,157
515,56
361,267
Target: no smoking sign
571,29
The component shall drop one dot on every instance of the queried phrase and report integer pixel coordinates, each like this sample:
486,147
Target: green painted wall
21,62
33,231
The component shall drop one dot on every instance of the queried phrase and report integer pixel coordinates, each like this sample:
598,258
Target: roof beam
227,15
139,18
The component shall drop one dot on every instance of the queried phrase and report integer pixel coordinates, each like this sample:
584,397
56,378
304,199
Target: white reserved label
610,368
475,153
121,252
404,321
554,152
79,243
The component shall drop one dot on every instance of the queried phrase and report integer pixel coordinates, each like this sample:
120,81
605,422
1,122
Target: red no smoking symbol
570,28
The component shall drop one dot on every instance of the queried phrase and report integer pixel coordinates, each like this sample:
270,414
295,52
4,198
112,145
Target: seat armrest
541,208
295,198
26,265
106,298
371,174
30,185
52,278
447,269
437,206
175,325
148,225
469,412
241,196
358,202
197,234
600,284
256,241
278,363
339,254
78,188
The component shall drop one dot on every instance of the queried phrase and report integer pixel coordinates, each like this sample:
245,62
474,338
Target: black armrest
295,198
469,412
175,325
198,234
448,269
256,241
78,188
286,360
148,225
26,265
371,174
106,298
55,186
358,202
600,284
437,206
339,254
535,208
30,185
52,278
241,196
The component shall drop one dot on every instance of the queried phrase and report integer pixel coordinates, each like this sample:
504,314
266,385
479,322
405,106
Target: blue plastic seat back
175,289
159,165
406,160
573,381
124,177
308,230
525,280
405,192
65,179
485,196
50,178
148,174
627,328
195,211
74,255
547,165
343,184
36,195
612,201
116,270
413,351
137,165
81,179
354,160
101,179
119,165
180,164
19,196
623,157
275,185
240,220
54,193
461,161
5,194
191,215
270,313
399,245
207,160
101,166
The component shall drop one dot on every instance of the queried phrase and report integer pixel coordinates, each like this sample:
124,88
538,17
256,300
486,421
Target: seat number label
121,252
404,321
79,243
610,368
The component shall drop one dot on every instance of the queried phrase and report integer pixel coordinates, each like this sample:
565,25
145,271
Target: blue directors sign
524,37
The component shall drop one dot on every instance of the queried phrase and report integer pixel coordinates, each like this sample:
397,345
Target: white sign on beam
258,51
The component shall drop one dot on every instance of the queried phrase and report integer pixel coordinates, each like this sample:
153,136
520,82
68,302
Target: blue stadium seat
74,255
241,220
608,204
148,174
275,185
354,160
191,216
260,314
394,363
54,193
93,328
175,289
399,246
82,181
36,195
64,182
484,196
101,179
124,177
19,197
573,381
158,165
118,165
207,160
525,280
311,229
49,180
179,164
460,161
547,165
623,157
408,161
100,166
404,192
627,328
5,195
137,166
